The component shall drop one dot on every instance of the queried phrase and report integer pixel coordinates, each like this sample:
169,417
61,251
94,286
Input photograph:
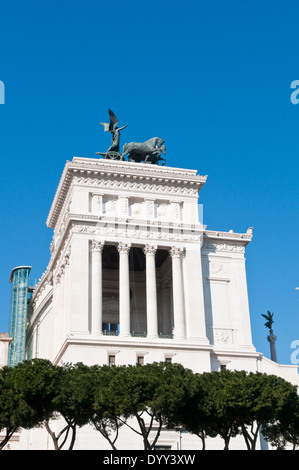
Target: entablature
124,177
230,242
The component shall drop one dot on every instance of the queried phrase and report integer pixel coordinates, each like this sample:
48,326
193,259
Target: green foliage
15,413
149,393
37,380
74,394
105,411
146,398
284,428
219,402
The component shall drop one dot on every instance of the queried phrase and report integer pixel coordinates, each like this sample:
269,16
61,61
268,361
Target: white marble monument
134,271
134,275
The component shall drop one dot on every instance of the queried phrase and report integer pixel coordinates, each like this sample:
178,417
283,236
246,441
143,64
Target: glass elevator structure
20,296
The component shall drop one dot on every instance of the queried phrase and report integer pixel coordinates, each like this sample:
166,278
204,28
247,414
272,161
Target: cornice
135,343
122,175
148,170
230,242
214,236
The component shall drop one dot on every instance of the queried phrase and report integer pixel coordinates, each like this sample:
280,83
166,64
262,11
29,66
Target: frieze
109,183
131,222
114,231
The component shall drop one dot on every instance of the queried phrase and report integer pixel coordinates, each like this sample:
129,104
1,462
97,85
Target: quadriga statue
147,152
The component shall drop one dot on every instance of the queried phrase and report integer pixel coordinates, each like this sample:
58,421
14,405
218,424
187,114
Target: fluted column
178,293
97,288
151,292
124,290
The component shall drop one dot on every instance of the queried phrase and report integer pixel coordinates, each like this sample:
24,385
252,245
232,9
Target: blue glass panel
18,314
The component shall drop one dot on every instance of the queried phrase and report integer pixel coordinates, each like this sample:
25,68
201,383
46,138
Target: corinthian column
151,292
96,286
124,290
178,293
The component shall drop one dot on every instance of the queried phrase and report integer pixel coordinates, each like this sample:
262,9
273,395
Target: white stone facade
134,274
5,340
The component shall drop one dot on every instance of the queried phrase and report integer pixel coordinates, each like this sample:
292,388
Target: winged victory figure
269,319
113,151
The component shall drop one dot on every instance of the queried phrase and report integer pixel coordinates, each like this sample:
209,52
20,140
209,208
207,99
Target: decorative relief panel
97,203
150,209
176,212
123,207
227,246
163,211
218,270
222,337
215,268
137,208
110,206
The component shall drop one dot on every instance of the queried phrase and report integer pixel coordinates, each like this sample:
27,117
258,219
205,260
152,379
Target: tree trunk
52,434
250,439
9,433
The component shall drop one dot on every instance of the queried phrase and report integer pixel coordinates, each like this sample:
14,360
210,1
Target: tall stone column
97,288
124,290
178,293
151,292
272,338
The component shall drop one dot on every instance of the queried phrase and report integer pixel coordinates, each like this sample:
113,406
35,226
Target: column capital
97,245
123,247
149,250
176,251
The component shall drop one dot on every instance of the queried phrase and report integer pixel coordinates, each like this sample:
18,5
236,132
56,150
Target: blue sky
211,78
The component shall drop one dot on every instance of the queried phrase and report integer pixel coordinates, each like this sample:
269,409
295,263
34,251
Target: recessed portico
137,290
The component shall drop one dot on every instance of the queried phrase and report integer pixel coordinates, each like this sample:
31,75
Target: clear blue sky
211,78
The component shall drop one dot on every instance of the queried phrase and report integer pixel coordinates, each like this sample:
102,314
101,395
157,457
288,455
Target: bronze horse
147,152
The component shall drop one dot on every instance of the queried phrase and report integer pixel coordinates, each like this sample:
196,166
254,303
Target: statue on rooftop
113,151
148,152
